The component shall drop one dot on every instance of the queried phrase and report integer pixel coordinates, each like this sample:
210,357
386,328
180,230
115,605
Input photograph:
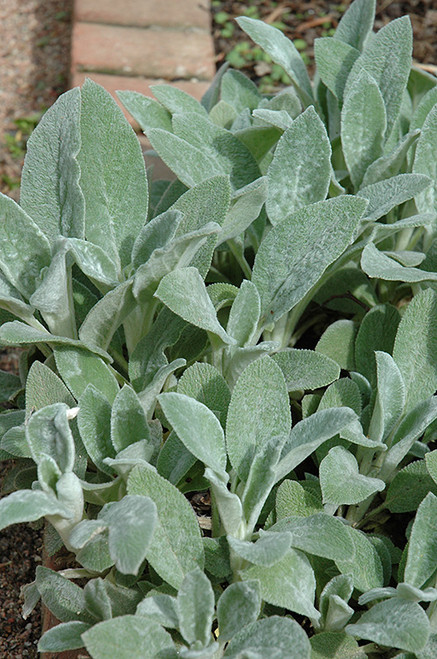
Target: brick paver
131,44
154,53
144,13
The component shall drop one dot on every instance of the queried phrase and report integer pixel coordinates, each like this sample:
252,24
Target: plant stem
239,257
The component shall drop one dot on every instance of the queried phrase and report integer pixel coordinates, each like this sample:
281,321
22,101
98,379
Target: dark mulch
305,20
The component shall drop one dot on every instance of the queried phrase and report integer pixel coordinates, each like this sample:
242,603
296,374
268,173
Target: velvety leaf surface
364,565
363,124
28,506
296,252
184,293
131,524
176,547
306,369
127,637
24,248
335,645
65,636
418,367
319,534
424,162
128,421
79,368
356,23
394,623
282,51
205,383
239,605
337,343
289,583
422,547
341,482
300,171
195,607
281,638
387,58
113,177
50,191
197,427
259,404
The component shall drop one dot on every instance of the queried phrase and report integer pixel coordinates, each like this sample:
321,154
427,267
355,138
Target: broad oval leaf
195,607
418,367
197,427
300,171
341,481
131,522
422,546
275,637
319,534
363,124
113,175
282,51
394,623
259,410
126,637
183,292
289,583
297,251
239,605
50,191
176,546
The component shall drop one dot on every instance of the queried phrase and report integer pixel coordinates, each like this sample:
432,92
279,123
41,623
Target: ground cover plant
261,329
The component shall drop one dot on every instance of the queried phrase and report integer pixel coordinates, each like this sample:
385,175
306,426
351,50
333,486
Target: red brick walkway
131,44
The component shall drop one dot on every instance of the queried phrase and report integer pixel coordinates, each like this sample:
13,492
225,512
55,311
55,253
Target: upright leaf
424,162
376,332
387,58
128,421
49,434
113,176
259,410
356,23
50,191
341,482
244,315
289,583
131,523
205,383
278,637
24,248
422,547
334,59
195,607
297,251
94,422
184,293
363,124
300,171
176,547
239,605
418,367
282,51
197,427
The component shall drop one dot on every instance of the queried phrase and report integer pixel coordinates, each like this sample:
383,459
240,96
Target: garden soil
34,64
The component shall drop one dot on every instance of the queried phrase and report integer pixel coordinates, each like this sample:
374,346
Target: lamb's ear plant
260,329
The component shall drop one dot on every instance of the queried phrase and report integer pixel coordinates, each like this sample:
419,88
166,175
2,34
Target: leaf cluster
260,331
